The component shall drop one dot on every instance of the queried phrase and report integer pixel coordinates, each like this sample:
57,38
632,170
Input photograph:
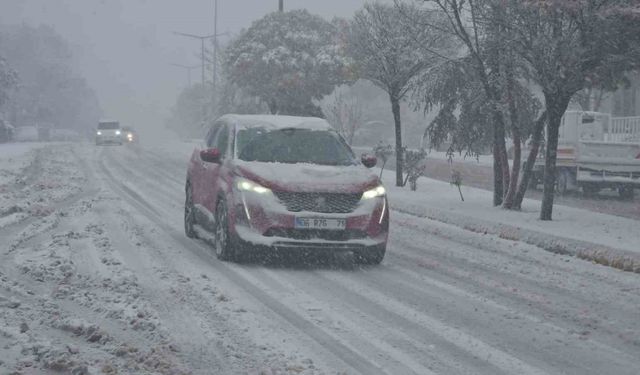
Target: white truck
596,151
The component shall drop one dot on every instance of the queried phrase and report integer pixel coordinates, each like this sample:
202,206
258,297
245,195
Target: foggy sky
124,47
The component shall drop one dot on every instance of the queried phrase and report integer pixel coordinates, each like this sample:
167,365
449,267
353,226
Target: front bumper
272,226
108,140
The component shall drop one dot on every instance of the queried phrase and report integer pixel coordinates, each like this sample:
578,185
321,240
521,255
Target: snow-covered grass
483,160
603,238
33,180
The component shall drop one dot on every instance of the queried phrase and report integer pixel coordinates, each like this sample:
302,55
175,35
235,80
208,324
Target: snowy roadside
65,298
14,158
32,181
605,239
90,286
481,160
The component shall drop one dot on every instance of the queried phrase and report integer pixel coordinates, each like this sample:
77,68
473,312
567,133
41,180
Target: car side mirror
368,161
210,155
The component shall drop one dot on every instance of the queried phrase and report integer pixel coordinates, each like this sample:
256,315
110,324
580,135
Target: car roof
277,122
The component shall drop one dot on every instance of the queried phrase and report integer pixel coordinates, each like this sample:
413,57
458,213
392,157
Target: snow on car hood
308,177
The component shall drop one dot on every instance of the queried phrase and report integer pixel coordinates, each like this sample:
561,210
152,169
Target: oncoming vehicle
129,134
108,132
265,183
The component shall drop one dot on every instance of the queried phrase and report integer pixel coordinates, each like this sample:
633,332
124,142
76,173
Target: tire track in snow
492,352
337,348
355,335
557,304
524,367
413,251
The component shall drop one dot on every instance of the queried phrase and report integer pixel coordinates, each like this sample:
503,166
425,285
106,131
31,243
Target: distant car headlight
250,186
379,191
117,132
99,133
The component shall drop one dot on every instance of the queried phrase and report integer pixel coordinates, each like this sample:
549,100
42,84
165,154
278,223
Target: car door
198,167
211,174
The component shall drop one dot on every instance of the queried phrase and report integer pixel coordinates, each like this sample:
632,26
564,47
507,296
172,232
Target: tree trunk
273,107
395,107
504,163
498,191
531,160
556,106
500,160
515,171
517,145
598,101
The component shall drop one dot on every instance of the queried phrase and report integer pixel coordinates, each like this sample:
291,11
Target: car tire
371,256
563,181
223,245
626,192
189,213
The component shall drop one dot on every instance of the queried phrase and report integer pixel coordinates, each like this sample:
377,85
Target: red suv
280,182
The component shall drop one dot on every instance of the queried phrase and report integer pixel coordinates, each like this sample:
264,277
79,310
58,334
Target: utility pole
188,69
215,50
281,6
202,39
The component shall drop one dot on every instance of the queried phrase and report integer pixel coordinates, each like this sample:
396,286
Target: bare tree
345,112
484,59
561,46
390,52
567,45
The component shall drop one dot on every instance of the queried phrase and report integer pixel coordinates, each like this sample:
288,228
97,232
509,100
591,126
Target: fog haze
125,47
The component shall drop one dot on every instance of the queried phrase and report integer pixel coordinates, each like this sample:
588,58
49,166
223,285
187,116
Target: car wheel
189,214
372,256
626,192
222,243
563,181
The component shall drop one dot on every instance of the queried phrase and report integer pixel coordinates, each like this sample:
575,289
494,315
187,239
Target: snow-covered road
106,281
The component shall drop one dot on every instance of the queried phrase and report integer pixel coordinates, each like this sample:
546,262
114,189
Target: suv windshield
293,146
108,125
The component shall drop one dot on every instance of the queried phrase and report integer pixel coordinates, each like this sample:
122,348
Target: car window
212,133
222,140
293,146
108,125
209,138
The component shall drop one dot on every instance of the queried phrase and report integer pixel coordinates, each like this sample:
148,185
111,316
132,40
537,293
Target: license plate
319,223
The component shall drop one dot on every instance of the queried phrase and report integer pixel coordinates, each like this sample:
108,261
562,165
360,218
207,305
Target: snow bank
606,239
13,158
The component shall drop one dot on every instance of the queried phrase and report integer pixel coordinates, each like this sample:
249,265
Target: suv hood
308,177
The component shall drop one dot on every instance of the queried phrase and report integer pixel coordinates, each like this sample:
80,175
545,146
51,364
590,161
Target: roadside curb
607,256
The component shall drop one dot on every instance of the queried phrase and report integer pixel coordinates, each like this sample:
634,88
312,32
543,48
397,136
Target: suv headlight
117,132
243,184
379,191
99,133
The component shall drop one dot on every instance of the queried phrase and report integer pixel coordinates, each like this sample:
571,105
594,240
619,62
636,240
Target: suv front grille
339,203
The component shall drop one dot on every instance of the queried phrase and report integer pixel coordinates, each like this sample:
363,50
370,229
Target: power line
188,69
202,38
